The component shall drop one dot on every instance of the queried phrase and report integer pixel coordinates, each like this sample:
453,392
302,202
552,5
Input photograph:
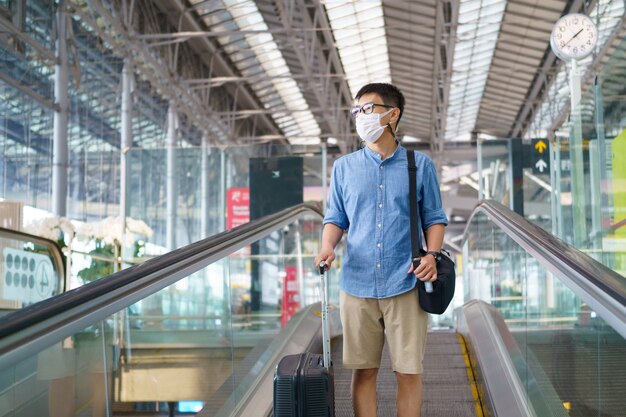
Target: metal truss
165,67
447,15
182,18
168,45
303,30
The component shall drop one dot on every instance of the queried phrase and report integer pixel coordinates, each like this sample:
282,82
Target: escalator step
446,388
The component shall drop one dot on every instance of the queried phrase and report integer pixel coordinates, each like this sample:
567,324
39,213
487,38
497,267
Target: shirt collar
399,151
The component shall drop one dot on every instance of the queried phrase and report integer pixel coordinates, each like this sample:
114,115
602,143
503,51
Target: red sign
291,299
237,207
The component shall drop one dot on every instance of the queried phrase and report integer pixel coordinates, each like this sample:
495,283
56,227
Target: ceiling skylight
276,88
359,30
477,34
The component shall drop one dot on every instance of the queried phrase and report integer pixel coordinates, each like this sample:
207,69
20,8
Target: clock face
574,36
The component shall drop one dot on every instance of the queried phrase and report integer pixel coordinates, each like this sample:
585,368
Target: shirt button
379,225
378,266
381,167
380,186
378,245
380,206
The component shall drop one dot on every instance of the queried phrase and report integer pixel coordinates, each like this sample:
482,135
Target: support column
299,265
172,195
554,195
223,191
596,196
559,189
479,154
60,147
601,186
600,129
227,305
516,176
204,189
126,145
579,202
324,176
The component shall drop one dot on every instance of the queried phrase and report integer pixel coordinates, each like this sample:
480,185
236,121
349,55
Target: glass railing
214,187
175,329
566,313
572,162
32,270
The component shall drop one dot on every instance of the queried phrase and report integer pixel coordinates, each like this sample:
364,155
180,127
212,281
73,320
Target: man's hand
331,235
427,269
327,254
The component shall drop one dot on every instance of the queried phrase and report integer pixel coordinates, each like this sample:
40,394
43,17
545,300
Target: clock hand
572,38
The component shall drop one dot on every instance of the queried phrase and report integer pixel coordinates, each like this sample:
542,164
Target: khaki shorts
367,321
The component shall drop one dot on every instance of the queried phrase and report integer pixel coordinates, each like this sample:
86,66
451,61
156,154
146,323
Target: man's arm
434,237
331,236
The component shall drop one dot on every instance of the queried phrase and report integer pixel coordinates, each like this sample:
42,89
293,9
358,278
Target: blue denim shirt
369,197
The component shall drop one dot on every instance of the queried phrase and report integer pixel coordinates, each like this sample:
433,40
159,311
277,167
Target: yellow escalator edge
478,406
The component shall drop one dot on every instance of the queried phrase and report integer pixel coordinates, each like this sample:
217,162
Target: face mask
368,126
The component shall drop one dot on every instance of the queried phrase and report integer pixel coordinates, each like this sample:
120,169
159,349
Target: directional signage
540,160
28,276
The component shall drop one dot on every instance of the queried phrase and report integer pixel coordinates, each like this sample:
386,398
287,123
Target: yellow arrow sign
541,146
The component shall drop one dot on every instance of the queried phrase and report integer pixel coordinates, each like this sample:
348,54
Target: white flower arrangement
138,227
109,230
52,228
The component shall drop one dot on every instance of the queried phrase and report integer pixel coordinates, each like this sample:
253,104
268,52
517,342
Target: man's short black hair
389,93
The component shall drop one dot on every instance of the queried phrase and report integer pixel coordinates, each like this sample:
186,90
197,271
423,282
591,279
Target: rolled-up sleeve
432,211
335,212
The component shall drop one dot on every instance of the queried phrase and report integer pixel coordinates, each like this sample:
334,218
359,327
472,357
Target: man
369,197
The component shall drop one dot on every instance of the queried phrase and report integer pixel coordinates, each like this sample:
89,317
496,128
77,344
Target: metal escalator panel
31,267
139,335
564,314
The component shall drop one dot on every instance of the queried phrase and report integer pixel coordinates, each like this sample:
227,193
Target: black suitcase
303,387
304,384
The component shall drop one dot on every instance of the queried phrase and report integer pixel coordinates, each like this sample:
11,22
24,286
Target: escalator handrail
599,286
504,392
23,332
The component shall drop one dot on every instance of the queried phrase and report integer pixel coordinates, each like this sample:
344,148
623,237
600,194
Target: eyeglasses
367,108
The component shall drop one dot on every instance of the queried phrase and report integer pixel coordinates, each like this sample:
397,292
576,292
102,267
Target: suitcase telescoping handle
325,327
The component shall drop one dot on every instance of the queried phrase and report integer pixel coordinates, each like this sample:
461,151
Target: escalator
559,313
546,340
